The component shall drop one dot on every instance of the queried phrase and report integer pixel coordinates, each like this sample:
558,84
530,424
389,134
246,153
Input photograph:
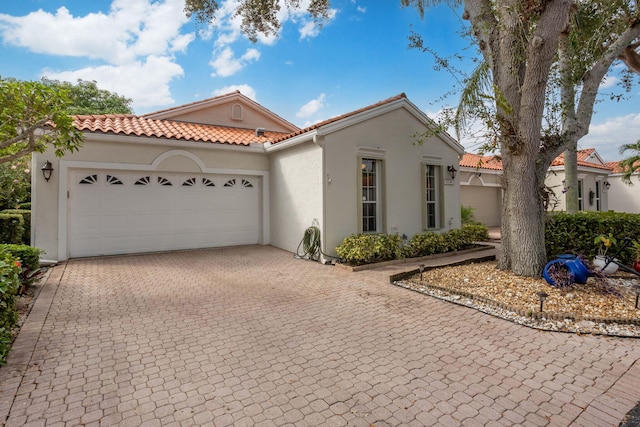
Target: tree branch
593,77
24,134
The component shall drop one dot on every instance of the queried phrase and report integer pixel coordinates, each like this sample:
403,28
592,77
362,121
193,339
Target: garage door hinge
67,194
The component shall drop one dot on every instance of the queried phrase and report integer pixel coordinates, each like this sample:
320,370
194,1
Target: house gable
230,110
359,116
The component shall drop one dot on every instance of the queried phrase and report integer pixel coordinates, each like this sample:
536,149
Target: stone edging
23,347
356,268
553,322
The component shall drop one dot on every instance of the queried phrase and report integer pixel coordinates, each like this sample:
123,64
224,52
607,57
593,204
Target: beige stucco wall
48,198
390,138
622,197
482,193
222,115
554,182
296,193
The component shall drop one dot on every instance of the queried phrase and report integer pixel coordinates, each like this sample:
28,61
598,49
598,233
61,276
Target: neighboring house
623,197
481,187
481,184
593,184
227,171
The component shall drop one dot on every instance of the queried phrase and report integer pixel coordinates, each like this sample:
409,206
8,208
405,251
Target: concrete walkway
251,336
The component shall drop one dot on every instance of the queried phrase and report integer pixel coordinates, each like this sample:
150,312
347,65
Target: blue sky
148,51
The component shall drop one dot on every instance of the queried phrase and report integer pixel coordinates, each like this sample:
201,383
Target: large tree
87,98
33,117
520,42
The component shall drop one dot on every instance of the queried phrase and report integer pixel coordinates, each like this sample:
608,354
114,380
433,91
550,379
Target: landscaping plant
10,269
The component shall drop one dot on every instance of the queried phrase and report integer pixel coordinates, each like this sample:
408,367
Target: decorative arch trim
174,153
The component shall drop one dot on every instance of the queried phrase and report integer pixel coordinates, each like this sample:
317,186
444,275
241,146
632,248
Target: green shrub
29,258
11,228
15,182
466,215
26,206
429,243
476,232
575,233
358,249
27,255
26,216
9,284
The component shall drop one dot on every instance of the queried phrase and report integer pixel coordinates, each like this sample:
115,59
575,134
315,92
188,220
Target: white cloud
311,29
311,107
135,41
608,136
608,81
226,64
132,29
146,82
246,90
361,9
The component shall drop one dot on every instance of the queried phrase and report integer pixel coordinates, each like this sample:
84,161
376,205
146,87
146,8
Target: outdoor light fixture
452,171
47,170
422,271
607,185
542,296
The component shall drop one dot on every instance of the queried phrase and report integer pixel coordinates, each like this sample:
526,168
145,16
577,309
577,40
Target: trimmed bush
358,249
575,233
427,244
476,232
26,216
9,284
11,228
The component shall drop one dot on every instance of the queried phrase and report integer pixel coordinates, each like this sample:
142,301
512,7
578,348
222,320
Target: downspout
319,142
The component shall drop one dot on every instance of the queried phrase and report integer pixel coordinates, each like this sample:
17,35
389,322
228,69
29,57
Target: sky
147,50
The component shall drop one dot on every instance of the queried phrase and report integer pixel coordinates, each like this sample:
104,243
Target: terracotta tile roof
344,116
616,167
583,160
471,160
129,124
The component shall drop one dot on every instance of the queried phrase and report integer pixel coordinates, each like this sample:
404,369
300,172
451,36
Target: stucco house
623,197
227,171
481,187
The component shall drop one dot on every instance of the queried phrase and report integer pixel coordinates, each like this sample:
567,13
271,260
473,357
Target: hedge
11,228
9,284
26,216
575,233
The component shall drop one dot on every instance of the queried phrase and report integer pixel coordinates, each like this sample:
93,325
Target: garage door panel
142,215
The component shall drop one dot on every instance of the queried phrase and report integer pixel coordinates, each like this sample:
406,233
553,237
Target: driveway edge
23,347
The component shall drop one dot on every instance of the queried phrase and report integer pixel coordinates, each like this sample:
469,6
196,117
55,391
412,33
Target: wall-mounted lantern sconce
607,185
47,170
452,171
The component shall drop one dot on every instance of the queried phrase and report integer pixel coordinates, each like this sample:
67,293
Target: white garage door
118,212
485,201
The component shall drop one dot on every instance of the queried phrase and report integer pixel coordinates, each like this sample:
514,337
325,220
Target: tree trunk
571,178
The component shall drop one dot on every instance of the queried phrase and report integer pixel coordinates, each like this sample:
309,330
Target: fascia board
288,143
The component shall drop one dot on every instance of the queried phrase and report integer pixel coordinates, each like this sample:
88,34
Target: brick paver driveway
251,336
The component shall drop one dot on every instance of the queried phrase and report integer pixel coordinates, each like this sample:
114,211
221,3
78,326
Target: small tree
33,117
87,98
